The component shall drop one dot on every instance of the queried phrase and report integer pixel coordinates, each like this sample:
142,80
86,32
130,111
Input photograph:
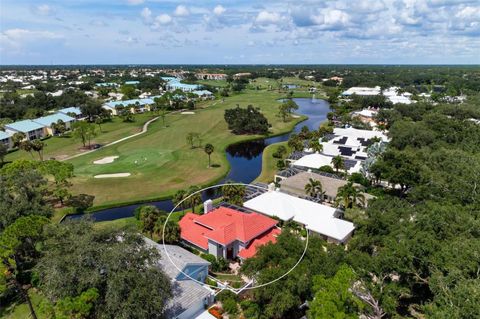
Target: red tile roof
223,225
266,238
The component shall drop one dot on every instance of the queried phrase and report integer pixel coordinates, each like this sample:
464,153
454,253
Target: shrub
250,309
326,169
230,306
225,295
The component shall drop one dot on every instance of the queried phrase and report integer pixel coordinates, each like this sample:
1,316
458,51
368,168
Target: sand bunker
190,113
112,175
295,116
106,160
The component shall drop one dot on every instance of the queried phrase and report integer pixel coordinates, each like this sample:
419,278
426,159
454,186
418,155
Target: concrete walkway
144,130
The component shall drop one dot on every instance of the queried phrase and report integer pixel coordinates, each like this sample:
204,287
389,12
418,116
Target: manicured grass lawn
61,147
269,163
216,83
20,310
161,161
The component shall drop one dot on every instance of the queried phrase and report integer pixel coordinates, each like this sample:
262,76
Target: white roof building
364,91
317,218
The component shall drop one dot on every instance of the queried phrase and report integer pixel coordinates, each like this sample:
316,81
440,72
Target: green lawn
161,162
20,310
62,147
269,163
216,83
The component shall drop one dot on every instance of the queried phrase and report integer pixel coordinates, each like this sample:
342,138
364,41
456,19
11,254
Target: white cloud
181,11
146,15
163,19
19,34
219,10
135,2
43,9
266,17
332,19
16,38
469,13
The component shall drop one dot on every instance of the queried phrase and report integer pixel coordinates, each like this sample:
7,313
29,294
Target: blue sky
239,32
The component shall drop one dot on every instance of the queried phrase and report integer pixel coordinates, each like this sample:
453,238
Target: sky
239,32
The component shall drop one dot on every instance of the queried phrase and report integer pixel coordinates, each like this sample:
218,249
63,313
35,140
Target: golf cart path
144,130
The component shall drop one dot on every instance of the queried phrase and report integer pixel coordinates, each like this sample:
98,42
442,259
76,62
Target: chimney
271,187
207,206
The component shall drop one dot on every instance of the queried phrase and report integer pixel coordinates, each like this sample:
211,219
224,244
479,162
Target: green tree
118,263
17,139
169,231
83,130
18,253
315,145
81,202
23,192
338,163
59,127
3,153
38,146
333,296
209,150
233,194
195,197
27,146
295,143
314,188
179,197
149,216
350,195
190,138
79,307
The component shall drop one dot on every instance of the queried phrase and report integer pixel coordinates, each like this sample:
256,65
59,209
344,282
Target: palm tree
178,198
315,145
27,146
338,162
209,150
314,188
38,146
349,195
233,194
172,230
149,216
193,200
17,139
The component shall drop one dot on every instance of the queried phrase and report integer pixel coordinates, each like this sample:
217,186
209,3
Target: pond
245,159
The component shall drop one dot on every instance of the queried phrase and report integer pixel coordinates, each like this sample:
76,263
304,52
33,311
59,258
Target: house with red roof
227,232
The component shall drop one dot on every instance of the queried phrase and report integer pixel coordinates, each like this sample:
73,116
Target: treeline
415,249
14,107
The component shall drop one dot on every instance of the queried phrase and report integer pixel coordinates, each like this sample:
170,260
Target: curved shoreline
168,196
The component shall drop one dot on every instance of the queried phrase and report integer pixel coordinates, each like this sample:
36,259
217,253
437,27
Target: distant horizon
243,64
215,32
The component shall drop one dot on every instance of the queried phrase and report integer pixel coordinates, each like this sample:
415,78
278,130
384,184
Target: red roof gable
223,225
251,250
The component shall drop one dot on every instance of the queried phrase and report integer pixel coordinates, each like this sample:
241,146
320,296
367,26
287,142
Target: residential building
318,219
135,105
204,94
190,297
174,83
295,185
349,143
31,129
362,91
132,82
227,232
48,121
366,116
6,139
73,112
